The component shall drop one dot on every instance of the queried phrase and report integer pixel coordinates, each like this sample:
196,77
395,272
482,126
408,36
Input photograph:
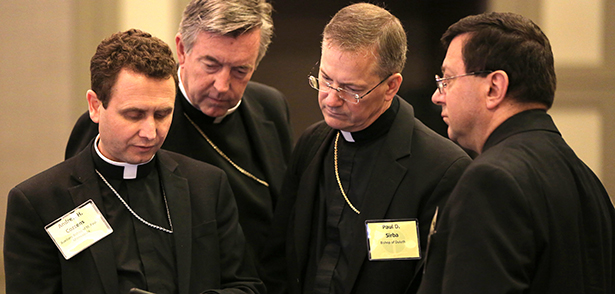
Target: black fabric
257,136
143,255
527,216
333,227
209,246
413,172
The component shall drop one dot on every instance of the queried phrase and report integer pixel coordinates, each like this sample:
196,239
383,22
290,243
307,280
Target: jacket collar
257,125
525,121
176,187
385,179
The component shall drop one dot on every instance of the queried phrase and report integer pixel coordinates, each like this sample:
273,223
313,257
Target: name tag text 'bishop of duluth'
393,239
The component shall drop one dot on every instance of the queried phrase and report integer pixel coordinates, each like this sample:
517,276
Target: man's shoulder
427,140
425,133
190,166
314,132
56,176
261,94
260,89
310,141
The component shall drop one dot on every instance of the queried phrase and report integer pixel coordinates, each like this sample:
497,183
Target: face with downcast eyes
216,71
137,118
355,72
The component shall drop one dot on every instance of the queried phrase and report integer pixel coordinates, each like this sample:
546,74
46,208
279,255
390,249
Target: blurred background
45,48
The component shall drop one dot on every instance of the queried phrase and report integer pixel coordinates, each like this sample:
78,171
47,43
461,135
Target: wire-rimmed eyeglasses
441,82
346,95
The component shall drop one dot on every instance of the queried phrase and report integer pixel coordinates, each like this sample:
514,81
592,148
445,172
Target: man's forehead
235,51
334,59
453,60
137,88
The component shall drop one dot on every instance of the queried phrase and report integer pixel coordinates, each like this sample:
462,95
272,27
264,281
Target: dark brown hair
514,44
135,50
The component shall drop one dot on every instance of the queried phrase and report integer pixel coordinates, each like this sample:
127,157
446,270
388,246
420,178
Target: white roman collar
130,170
347,136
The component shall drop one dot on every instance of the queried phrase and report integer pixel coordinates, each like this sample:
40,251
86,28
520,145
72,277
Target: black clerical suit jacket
415,171
527,216
265,113
210,250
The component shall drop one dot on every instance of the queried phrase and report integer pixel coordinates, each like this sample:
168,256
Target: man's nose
148,129
437,98
223,80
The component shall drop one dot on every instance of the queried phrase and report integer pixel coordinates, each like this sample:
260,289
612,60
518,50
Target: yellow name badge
78,229
393,239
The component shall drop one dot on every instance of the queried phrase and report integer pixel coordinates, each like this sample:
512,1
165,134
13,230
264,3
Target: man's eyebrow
131,109
213,59
210,58
170,108
341,85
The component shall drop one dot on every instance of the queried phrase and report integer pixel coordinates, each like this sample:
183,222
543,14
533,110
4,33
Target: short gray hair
227,18
363,26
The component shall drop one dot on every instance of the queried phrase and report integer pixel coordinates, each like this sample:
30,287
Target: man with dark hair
364,184
527,216
221,117
122,214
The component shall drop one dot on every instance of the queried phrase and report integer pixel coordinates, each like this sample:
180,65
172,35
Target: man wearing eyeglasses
363,185
527,216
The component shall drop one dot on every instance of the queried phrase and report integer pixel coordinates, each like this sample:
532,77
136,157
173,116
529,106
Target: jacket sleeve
31,259
484,241
237,271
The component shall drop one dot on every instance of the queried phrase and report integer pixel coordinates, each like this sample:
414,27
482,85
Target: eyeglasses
346,95
441,82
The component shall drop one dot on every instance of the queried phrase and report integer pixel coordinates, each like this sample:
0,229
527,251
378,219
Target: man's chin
140,158
214,111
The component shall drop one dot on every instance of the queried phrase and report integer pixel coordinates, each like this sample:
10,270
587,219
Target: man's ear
498,88
393,83
181,49
94,105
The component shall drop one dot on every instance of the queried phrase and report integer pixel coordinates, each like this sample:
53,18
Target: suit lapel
383,184
265,145
102,251
177,192
307,201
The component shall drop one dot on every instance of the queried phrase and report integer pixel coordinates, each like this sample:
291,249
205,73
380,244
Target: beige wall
36,89
46,46
44,74
582,34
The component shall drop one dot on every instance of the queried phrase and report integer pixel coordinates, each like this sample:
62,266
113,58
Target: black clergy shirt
144,255
253,198
330,245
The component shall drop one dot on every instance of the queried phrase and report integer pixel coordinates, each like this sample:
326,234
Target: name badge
78,229
393,239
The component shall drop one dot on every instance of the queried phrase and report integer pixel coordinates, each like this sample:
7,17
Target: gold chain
337,176
243,171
